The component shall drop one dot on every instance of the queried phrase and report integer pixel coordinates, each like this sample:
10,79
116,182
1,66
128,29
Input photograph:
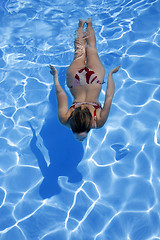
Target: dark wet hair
80,120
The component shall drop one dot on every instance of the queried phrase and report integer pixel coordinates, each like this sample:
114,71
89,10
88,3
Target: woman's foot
81,22
89,22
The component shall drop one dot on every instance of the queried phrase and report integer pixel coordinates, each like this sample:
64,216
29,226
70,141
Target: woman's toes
81,22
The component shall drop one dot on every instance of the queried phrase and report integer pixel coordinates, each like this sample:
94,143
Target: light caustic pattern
118,197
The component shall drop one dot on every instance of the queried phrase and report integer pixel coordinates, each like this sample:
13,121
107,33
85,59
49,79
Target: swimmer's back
86,93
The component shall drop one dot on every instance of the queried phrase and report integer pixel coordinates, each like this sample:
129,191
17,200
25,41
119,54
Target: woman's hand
53,71
115,70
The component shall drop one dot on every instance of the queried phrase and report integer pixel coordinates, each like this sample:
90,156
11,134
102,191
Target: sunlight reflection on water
118,196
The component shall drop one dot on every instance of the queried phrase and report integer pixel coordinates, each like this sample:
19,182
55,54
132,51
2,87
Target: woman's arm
108,98
61,97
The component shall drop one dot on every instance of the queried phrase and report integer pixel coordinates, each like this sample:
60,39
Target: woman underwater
85,77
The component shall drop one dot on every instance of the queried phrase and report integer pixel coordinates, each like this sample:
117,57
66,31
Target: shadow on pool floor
65,152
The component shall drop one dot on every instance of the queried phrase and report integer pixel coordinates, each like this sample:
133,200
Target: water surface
113,193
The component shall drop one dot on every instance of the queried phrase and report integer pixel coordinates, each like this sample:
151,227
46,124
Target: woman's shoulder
64,120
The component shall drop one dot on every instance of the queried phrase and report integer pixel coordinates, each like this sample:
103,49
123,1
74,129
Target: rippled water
114,193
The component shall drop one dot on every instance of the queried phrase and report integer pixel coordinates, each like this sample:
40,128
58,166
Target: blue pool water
51,186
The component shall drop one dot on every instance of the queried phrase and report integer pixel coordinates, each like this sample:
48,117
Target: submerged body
87,96
85,77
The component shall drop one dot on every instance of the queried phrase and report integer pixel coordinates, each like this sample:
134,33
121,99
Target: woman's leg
79,55
93,60
79,43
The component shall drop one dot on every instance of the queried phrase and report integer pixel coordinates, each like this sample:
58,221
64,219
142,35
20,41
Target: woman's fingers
53,69
115,69
50,66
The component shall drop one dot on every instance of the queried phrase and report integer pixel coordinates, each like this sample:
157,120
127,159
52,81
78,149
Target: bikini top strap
96,106
73,105
95,118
